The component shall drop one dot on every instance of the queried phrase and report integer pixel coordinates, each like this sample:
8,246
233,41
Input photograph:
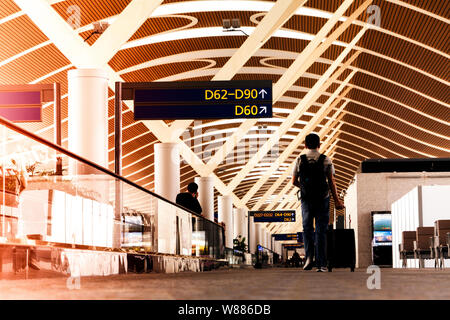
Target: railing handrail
60,149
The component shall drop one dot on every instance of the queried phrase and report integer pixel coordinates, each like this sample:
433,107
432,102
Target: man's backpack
313,181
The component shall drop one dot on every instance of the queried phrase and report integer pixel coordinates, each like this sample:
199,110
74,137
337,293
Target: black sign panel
285,236
288,236
293,246
273,216
203,100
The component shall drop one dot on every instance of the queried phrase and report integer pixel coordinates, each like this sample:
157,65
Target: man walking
314,175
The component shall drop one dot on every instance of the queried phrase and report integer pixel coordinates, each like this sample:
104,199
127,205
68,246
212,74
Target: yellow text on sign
237,94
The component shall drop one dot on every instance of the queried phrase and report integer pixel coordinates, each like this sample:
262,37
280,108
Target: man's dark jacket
188,201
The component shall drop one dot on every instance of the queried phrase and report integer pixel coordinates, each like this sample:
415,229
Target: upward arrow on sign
262,93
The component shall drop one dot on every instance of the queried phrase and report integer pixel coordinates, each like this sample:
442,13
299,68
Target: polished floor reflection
240,284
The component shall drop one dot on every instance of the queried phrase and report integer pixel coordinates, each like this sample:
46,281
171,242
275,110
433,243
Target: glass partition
50,195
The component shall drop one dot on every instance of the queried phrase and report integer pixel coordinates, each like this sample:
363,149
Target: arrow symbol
262,93
263,109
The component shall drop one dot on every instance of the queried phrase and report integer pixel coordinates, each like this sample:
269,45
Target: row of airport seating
426,243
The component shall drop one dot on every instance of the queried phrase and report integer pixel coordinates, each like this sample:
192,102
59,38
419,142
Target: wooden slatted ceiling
91,10
392,108
439,7
7,8
414,25
32,65
403,95
20,41
403,75
405,128
383,131
162,71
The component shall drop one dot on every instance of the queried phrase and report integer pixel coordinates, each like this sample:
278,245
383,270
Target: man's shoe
308,264
322,269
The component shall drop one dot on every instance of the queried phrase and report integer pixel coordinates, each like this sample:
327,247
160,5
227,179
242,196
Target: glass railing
50,195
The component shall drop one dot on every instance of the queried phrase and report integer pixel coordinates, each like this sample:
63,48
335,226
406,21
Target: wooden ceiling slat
7,8
19,41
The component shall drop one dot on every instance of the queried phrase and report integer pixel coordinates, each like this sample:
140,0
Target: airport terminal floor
239,284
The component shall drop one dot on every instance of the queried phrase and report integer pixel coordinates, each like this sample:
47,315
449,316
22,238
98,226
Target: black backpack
313,181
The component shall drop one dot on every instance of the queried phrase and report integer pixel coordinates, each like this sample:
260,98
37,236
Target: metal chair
442,228
407,246
424,244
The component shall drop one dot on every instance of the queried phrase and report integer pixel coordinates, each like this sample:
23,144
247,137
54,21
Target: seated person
189,199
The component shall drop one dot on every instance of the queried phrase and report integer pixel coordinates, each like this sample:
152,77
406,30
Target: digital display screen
382,238
203,100
382,222
382,229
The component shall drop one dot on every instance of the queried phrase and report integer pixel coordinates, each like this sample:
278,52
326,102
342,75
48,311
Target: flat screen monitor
382,228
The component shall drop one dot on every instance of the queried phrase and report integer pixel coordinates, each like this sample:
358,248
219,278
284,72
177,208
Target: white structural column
88,117
206,196
260,234
167,170
167,185
277,247
266,238
240,223
252,235
225,215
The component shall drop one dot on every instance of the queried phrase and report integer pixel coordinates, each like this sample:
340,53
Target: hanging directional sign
285,236
21,103
202,100
288,236
273,216
293,246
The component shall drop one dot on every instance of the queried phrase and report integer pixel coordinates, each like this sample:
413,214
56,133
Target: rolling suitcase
341,251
